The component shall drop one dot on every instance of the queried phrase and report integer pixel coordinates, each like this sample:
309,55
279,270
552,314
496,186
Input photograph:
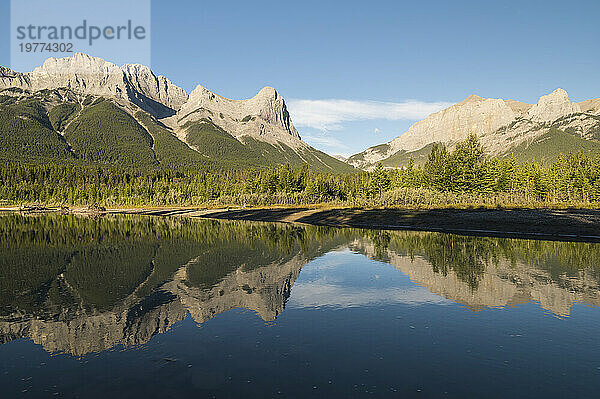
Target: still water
127,307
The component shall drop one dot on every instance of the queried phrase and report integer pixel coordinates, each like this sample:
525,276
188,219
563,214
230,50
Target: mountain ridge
203,121
501,125
258,131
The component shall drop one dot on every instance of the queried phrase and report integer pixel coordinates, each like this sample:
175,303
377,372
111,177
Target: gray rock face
553,106
135,321
473,115
264,116
158,88
91,75
6,73
500,124
502,284
264,290
591,106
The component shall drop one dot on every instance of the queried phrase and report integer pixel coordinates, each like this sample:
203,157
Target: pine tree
379,180
435,170
467,165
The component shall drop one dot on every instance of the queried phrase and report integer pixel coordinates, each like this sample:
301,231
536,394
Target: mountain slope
402,157
505,127
263,116
26,130
92,110
105,133
216,126
551,144
172,152
82,73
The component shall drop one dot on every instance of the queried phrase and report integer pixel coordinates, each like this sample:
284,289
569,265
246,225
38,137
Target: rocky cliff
88,75
213,130
77,330
502,284
264,116
500,125
264,290
71,326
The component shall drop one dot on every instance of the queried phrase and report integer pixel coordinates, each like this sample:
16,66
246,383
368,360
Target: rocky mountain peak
471,99
86,74
473,115
264,116
79,63
558,93
519,108
7,73
268,92
592,105
158,88
500,125
201,93
552,106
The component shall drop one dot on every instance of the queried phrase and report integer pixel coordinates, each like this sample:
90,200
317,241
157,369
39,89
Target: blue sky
378,52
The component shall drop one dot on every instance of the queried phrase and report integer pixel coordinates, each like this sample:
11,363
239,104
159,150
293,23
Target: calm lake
128,307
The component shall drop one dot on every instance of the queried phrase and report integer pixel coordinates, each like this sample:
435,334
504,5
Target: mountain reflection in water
80,285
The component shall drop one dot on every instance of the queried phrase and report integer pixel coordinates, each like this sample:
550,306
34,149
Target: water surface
133,306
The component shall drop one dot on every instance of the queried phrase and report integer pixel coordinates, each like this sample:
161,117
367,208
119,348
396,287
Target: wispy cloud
331,114
319,294
326,141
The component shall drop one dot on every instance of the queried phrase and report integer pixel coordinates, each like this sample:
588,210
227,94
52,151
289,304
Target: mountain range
63,283
506,128
85,108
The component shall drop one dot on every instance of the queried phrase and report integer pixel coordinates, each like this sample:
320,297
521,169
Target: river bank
563,225
549,224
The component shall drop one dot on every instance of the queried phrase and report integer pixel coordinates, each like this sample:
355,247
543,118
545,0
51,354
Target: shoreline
542,224
581,225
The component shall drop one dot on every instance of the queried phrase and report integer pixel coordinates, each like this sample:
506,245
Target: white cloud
331,114
376,130
318,294
326,141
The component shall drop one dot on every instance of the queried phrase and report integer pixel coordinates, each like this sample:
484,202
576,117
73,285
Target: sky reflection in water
132,306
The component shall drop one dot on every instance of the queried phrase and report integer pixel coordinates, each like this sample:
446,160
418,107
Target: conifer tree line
464,175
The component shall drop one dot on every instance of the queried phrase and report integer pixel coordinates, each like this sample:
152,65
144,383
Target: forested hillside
464,176
59,125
